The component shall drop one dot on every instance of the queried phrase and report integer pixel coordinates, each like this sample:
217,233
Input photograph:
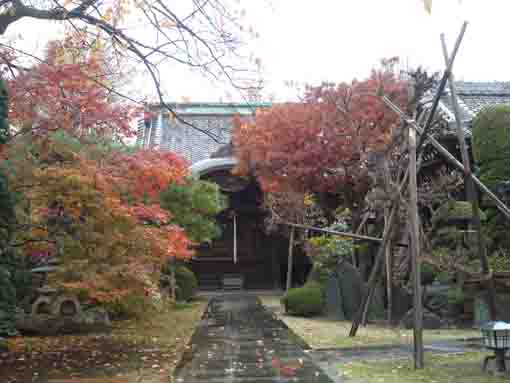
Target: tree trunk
173,280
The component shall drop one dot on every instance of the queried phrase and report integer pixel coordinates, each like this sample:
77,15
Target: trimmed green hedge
127,307
187,283
453,211
304,301
491,143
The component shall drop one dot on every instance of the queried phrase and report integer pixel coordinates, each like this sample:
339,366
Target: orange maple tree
100,218
67,92
92,205
321,144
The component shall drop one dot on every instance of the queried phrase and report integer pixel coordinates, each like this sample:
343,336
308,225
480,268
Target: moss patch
465,368
320,332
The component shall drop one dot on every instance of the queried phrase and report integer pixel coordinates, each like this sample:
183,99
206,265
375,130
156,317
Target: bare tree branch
196,40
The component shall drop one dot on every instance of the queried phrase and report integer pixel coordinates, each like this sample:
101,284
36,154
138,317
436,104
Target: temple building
245,256
200,130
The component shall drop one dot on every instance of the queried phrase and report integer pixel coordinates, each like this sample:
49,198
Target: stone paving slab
238,340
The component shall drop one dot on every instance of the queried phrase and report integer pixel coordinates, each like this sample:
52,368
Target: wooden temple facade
245,256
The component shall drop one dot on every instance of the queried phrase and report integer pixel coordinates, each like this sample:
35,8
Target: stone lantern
496,337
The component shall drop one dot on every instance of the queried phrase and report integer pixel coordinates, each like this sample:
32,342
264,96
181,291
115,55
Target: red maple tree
99,216
321,144
69,91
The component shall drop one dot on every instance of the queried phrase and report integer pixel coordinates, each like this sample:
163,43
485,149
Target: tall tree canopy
66,92
323,143
99,216
84,198
206,36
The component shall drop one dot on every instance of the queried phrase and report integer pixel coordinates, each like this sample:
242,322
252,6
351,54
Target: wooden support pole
364,220
470,189
450,158
424,134
235,238
442,85
289,262
389,275
415,251
374,274
339,233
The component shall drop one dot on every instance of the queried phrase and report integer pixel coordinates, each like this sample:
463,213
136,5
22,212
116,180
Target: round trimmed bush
452,212
491,143
187,283
304,301
127,307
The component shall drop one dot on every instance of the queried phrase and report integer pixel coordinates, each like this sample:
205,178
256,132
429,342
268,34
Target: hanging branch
203,37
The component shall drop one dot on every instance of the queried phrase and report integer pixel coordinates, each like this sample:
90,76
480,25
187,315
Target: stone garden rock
431,321
66,305
334,304
91,320
345,290
402,303
351,287
97,317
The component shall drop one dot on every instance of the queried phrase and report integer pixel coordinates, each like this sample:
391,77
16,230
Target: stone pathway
238,340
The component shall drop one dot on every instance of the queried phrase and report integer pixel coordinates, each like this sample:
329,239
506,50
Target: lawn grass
320,332
145,350
464,368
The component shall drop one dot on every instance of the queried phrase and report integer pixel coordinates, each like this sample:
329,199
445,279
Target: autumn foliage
84,198
322,142
68,91
99,216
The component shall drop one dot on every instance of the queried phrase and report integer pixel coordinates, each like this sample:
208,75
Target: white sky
340,39
337,40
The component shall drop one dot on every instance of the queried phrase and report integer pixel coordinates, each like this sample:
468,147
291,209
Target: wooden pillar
289,262
389,274
415,249
235,237
173,280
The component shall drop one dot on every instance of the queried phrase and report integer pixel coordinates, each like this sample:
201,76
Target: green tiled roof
215,108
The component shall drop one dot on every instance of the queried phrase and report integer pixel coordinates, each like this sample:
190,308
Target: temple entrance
244,254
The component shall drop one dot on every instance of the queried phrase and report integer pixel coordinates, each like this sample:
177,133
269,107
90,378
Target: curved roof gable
201,168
